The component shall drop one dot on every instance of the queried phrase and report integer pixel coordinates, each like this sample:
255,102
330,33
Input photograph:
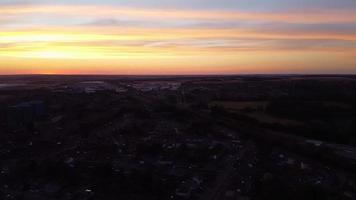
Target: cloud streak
151,38
308,16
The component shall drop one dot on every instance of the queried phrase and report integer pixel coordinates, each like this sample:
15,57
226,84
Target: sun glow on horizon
122,40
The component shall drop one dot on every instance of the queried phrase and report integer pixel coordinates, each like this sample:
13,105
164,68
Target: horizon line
243,74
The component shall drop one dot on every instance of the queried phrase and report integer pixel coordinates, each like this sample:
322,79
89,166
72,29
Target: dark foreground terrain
205,138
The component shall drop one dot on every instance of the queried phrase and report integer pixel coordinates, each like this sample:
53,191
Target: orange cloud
130,49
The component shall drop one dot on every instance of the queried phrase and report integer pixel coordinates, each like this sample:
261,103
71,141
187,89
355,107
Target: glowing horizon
102,37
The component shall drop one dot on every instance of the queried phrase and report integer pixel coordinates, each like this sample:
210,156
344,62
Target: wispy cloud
307,16
215,37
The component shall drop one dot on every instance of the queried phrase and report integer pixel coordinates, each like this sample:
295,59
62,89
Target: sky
177,37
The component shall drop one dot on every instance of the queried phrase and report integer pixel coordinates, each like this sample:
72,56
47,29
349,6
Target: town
178,137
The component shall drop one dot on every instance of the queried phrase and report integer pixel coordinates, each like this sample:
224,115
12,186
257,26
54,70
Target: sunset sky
177,37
